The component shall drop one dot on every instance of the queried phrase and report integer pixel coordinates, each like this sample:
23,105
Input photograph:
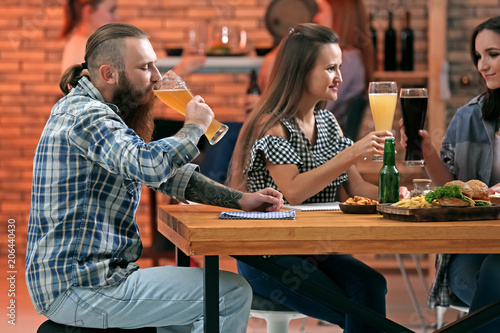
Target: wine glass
383,97
173,91
414,109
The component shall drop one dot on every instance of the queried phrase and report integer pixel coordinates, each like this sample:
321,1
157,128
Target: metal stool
409,286
455,303
51,327
276,315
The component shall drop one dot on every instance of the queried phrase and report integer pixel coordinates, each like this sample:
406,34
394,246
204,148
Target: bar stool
49,326
455,303
276,315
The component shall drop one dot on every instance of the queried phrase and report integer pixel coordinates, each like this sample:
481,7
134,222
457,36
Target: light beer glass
173,91
383,97
414,110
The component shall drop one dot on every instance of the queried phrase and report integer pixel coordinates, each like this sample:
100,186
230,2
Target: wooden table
196,230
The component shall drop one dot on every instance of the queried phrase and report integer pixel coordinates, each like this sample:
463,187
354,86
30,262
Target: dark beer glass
414,109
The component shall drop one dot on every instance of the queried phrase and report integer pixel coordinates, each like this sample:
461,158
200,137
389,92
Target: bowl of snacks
359,205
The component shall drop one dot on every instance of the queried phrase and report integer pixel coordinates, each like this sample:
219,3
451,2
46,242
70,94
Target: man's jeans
169,297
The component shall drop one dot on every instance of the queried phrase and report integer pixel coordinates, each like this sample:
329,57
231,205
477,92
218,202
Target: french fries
357,200
415,202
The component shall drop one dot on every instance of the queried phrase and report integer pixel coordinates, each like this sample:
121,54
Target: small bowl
358,209
174,52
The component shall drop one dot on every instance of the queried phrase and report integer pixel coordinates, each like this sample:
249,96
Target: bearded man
93,155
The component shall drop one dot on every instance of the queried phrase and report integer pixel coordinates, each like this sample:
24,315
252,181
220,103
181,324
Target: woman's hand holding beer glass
370,145
173,91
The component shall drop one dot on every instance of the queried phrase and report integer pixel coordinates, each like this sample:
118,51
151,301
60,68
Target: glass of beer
173,91
383,97
414,109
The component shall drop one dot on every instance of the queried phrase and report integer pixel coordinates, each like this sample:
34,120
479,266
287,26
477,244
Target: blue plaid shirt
87,172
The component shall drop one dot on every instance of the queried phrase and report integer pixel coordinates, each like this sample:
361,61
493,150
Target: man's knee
234,283
234,280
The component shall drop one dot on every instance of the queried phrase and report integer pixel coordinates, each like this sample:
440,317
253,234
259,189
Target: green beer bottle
388,177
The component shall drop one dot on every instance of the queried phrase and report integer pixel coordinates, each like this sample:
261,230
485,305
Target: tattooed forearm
191,132
204,190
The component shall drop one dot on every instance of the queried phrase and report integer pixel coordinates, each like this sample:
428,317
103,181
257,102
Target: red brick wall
30,57
30,63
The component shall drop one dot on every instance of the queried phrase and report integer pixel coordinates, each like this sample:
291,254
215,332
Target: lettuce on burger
453,194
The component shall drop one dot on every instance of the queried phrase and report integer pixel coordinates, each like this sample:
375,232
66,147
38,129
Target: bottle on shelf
373,35
253,92
388,177
407,45
390,46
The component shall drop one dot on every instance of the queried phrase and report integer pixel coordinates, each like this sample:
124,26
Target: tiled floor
399,307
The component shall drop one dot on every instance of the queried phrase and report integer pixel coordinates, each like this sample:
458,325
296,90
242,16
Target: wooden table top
196,230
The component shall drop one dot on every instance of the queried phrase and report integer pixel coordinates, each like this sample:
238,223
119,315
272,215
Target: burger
460,194
480,191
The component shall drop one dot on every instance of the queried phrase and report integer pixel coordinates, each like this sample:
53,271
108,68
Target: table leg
210,288
211,293
181,259
409,286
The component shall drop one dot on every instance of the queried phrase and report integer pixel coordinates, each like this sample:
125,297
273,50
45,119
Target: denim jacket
467,148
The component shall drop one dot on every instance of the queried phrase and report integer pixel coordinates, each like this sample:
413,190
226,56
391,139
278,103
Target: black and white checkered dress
298,150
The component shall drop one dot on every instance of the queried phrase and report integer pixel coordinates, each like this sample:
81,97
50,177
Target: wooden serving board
440,214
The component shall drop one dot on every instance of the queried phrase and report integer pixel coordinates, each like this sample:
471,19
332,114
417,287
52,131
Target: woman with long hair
290,143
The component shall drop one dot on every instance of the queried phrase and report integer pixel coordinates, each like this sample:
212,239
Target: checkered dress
298,150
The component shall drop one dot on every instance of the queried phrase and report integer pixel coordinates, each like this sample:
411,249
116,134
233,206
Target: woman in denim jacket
471,150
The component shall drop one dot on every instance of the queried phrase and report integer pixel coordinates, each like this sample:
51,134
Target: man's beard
136,107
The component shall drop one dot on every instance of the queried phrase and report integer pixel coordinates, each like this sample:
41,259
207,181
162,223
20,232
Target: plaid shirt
439,294
88,168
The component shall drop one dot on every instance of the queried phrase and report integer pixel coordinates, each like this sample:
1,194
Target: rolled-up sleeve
175,186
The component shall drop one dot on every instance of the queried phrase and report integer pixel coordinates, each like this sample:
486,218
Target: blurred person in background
83,17
349,19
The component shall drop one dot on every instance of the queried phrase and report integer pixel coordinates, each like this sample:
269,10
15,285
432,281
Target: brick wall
30,59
